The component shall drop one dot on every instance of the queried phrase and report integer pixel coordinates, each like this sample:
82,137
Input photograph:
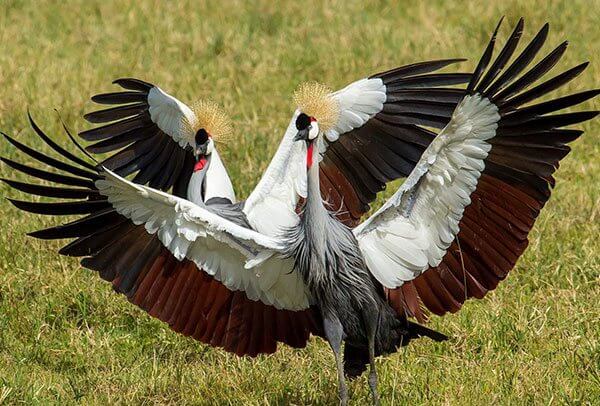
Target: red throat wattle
200,164
309,155
309,149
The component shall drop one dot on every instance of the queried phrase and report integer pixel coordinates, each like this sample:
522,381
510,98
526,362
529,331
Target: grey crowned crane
480,184
153,136
447,233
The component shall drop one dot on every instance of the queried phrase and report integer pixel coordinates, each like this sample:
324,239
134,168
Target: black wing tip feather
117,112
34,125
501,87
133,84
485,60
518,30
61,208
77,144
13,141
124,97
8,137
495,34
41,235
591,114
29,117
503,58
86,117
19,204
12,182
450,61
128,78
407,71
562,47
63,152
53,162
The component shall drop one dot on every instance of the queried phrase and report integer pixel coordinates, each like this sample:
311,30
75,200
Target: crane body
352,303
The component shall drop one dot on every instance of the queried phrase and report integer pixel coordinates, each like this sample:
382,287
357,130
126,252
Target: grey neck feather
325,250
329,259
315,216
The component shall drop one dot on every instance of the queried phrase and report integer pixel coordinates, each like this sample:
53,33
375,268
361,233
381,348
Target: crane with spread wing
453,229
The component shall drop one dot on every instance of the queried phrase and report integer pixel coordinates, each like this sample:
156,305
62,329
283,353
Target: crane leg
334,332
372,323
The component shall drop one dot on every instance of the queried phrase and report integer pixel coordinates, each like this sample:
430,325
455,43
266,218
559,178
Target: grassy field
65,337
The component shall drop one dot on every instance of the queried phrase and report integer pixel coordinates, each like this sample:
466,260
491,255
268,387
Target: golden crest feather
314,99
210,116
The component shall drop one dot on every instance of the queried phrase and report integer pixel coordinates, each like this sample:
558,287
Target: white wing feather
412,231
169,113
240,258
272,205
359,101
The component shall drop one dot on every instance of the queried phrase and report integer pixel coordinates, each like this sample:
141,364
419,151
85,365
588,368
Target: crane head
308,128
208,117
316,101
203,147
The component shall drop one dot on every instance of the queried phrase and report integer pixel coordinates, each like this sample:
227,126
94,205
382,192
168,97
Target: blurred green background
65,337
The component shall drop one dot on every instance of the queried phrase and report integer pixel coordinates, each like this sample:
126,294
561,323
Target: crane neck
197,184
315,215
313,193
217,182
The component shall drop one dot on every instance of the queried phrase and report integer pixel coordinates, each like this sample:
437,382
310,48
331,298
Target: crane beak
302,134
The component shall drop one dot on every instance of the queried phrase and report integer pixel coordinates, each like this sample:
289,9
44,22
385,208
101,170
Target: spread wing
460,221
146,133
191,300
379,137
241,258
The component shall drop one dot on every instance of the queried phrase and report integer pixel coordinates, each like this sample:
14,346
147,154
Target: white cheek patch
210,147
314,131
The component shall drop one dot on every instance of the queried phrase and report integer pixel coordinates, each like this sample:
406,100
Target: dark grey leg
372,324
334,332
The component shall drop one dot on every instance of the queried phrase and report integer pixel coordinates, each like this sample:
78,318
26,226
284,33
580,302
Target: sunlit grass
65,337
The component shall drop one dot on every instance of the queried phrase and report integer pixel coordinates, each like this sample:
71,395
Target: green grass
65,337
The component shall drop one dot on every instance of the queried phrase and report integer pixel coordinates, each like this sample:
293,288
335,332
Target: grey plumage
327,256
351,301
230,211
